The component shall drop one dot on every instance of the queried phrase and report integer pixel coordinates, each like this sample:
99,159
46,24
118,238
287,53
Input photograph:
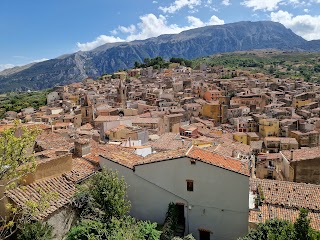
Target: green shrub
35,231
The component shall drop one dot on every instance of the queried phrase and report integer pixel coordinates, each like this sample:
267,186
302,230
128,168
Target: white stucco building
212,191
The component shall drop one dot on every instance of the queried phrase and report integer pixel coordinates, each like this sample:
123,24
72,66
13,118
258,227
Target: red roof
218,160
130,159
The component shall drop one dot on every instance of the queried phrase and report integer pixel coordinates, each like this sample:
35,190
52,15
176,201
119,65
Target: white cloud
131,29
153,26
149,26
154,2
195,22
306,10
214,20
265,5
272,5
114,32
306,26
102,39
226,2
179,4
5,66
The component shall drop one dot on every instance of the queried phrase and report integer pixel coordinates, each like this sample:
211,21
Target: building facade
211,198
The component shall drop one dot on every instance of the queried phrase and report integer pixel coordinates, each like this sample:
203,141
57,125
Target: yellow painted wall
240,137
301,103
268,128
211,111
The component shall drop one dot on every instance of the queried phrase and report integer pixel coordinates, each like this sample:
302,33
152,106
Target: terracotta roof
302,154
227,147
53,141
284,199
144,120
130,159
111,118
160,156
121,155
87,126
170,141
58,185
288,194
219,160
81,169
267,212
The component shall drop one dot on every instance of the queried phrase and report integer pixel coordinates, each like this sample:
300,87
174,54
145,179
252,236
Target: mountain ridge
189,44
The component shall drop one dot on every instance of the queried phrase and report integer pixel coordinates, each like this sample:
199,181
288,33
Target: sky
37,30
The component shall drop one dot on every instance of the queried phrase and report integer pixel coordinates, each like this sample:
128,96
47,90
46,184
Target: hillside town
231,149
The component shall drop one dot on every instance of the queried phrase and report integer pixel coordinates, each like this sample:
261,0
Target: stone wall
307,171
62,221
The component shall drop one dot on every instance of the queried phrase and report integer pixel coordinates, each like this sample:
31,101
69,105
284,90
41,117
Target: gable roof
130,159
219,160
58,185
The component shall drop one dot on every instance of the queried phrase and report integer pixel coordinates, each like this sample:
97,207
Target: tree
88,229
147,61
149,230
16,154
109,194
36,231
303,228
316,68
137,64
23,218
188,237
302,225
104,206
284,230
274,229
16,161
126,228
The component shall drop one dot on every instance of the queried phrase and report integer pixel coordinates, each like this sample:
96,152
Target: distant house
209,190
304,164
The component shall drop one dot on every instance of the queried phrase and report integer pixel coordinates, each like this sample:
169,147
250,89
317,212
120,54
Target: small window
204,234
193,162
190,185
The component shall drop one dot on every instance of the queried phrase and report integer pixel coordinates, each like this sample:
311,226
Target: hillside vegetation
15,101
276,63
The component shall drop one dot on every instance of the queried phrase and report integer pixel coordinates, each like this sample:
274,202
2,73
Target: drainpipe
187,217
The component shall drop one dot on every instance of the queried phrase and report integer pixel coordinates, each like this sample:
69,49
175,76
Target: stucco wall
148,202
62,222
219,202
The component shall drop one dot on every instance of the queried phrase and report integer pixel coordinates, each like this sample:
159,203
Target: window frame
190,185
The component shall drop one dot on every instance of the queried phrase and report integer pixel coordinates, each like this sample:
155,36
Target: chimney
82,147
291,158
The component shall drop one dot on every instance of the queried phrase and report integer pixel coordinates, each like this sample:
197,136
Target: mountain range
190,44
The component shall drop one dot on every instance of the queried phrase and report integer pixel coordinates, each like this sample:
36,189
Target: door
180,209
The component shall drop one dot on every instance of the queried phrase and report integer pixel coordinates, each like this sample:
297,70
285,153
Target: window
204,234
190,185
